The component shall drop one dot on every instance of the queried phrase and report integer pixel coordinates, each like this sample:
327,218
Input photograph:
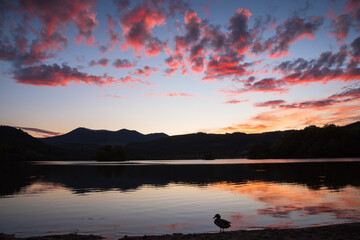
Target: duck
221,223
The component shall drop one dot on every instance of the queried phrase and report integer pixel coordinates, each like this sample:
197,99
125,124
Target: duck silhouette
221,223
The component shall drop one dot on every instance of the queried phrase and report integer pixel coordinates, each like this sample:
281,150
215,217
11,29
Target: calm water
157,197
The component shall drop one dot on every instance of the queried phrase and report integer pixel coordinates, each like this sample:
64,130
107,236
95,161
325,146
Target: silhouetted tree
110,153
311,142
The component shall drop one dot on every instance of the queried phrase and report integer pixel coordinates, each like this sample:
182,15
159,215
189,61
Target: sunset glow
178,66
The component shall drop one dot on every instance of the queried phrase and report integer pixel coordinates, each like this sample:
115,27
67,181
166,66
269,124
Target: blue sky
178,66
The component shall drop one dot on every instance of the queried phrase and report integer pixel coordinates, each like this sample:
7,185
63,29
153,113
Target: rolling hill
102,137
82,143
17,145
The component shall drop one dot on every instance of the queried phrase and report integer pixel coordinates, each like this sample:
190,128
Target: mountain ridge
100,137
310,142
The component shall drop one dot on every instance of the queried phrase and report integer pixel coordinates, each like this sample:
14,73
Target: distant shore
337,232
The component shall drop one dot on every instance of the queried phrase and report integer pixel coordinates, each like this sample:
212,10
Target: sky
178,67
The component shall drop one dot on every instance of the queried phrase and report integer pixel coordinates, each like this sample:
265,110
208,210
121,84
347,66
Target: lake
164,197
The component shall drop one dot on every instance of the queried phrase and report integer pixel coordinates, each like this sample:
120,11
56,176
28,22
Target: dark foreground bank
338,232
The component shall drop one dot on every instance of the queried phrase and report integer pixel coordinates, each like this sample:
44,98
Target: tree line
329,141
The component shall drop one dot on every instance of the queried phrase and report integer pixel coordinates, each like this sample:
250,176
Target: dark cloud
234,101
291,30
168,72
9,52
145,71
355,45
326,60
121,4
175,6
350,93
47,40
239,36
114,36
263,85
174,61
272,103
55,75
347,95
341,25
192,27
214,36
192,32
295,65
310,104
327,67
56,14
138,23
101,62
197,64
123,63
154,46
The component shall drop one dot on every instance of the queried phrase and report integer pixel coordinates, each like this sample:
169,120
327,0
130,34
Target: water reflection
153,199
82,179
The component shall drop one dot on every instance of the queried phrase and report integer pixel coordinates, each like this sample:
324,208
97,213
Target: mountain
17,145
311,142
198,146
353,125
82,143
102,137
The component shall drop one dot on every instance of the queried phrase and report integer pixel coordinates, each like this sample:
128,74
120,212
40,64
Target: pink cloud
347,95
55,75
172,94
225,65
40,132
56,14
138,23
342,23
114,36
154,47
234,101
145,71
179,95
130,79
327,67
240,36
174,61
169,72
296,118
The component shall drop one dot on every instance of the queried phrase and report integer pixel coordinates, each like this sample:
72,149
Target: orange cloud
282,199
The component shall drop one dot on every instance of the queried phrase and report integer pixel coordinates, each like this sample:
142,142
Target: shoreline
335,231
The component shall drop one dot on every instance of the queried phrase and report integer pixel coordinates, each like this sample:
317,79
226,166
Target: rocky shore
336,232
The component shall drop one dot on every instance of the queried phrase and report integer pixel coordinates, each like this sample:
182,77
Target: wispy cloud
40,132
170,94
